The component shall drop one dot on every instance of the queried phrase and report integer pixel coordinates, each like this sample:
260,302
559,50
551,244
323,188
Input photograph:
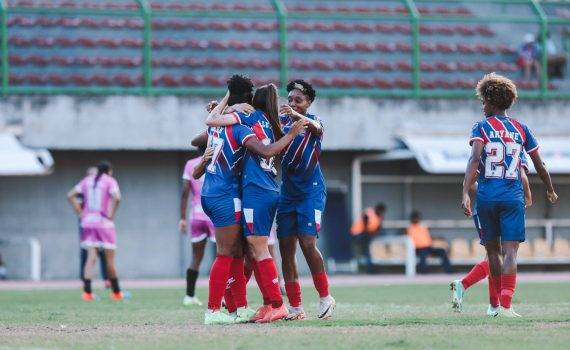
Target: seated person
423,242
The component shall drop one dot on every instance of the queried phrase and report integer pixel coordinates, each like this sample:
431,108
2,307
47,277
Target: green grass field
381,316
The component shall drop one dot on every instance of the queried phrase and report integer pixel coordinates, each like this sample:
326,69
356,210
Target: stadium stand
203,51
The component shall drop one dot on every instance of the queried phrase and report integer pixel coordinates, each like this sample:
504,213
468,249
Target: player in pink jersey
201,227
101,197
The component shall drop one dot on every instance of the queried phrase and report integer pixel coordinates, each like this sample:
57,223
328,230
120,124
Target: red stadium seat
214,81
466,66
55,79
320,82
484,49
80,80
403,47
428,47
323,65
402,83
382,83
364,65
190,80
446,66
445,48
343,65
362,83
325,46
166,80
384,66
404,65
17,60
386,47
340,82
341,46
427,67
465,48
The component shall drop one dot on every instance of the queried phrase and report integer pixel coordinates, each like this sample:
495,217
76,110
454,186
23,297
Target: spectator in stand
529,57
365,228
423,242
556,60
3,271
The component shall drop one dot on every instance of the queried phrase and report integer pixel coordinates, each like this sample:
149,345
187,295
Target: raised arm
313,126
471,175
544,175
266,151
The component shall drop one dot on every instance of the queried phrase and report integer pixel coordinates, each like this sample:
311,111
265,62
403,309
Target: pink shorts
200,230
98,237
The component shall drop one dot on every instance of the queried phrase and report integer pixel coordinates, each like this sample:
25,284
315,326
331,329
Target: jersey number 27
496,164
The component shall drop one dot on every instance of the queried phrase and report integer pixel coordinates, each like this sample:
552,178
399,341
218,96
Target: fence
411,15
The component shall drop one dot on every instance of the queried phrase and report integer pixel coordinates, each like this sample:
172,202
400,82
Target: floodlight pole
4,46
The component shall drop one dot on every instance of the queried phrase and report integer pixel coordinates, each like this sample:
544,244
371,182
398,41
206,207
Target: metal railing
413,17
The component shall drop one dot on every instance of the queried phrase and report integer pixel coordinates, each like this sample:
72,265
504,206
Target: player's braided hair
304,87
240,88
102,168
497,90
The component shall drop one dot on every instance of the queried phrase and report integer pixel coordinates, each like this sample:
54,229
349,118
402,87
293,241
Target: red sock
494,290
257,273
321,284
247,271
219,275
270,281
293,290
239,285
229,299
508,284
477,273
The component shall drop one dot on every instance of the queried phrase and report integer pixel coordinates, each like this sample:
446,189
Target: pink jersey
97,200
196,211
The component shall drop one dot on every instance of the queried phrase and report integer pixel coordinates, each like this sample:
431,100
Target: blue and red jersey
505,140
258,170
223,172
301,168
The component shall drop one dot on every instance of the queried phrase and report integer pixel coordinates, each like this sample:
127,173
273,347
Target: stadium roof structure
170,47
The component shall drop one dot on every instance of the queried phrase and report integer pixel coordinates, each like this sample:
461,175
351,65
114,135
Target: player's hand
182,225
527,202
287,110
245,108
298,126
552,196
208,153
211,105
466,204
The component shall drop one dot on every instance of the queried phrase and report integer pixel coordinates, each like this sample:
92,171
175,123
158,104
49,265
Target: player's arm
200,168
115,201
222,116
526,188
184,205
72,199
200,140
254,145
313,126
471,175
544,175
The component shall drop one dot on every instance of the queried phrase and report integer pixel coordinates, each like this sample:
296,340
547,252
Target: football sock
293,290
87,286
477,273
258,279
321,284
219,275
238,286
115,285
247,271
229,299
191,277
508,284
494,290
270,281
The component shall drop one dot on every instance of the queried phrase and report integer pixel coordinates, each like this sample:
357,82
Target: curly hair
240,88
304,87
497,90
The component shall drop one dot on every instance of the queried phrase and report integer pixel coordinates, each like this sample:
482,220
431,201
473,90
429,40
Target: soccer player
260,193
221,202
201,228
83,252
481,269
497,145
302,201
101,200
